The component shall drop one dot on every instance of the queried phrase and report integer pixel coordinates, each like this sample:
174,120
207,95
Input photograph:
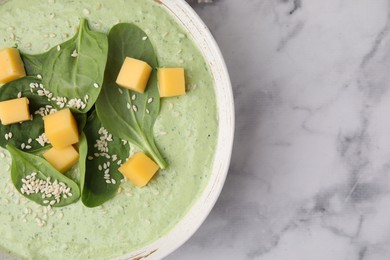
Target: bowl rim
197,214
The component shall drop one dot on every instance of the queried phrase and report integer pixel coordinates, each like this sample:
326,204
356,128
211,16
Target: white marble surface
310,173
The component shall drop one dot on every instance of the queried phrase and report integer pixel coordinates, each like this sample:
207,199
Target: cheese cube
14,111
139,169
171,82
11,65
134,75
61,129
62,159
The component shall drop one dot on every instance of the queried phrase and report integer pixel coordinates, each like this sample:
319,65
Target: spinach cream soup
185,132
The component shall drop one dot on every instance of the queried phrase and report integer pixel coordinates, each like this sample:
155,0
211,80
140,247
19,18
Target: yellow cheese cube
134,75
14,111
11,65
139,169
62,159
171,82
61,129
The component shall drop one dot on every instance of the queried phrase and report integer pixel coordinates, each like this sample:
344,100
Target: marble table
310,172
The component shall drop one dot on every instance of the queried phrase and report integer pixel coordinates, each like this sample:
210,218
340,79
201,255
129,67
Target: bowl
202,37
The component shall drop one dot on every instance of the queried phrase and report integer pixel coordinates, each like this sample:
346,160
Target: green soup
186,132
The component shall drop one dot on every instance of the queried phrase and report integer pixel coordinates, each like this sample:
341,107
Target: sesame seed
58,48
74,54
150,100
135,108
119,162
19,94
23,145
28,147
108,181
95,85
90,158
128,106
133,97
106,171
144,38
113,181
6,136
46,46
100,167
147,111
86,11
120,91
29,140
52,35
13,37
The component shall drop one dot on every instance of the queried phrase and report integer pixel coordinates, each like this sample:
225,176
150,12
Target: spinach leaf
33,63
83,152
24,165
26,135
102,178
125,113
74,70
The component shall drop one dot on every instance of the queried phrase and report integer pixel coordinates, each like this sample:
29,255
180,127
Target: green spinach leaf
106,152
127,114
74,70
83,152
33,173
27,135
33,63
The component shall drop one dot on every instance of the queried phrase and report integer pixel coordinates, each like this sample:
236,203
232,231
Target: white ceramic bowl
198,213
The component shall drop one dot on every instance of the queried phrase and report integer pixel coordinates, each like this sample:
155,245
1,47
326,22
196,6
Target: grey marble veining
310,172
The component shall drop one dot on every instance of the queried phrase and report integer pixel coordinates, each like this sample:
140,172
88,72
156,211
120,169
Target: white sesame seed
144,38
119,162
46,46
128,106
6,137
135,108
108,181
120,91
52,202
147,111
58,48
19,94
13,37
74,54
113,181
86,11
39,76
29,140
100,168
52,35
150,100
95,85
106,171
28,147
23,145
90,158
133,97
